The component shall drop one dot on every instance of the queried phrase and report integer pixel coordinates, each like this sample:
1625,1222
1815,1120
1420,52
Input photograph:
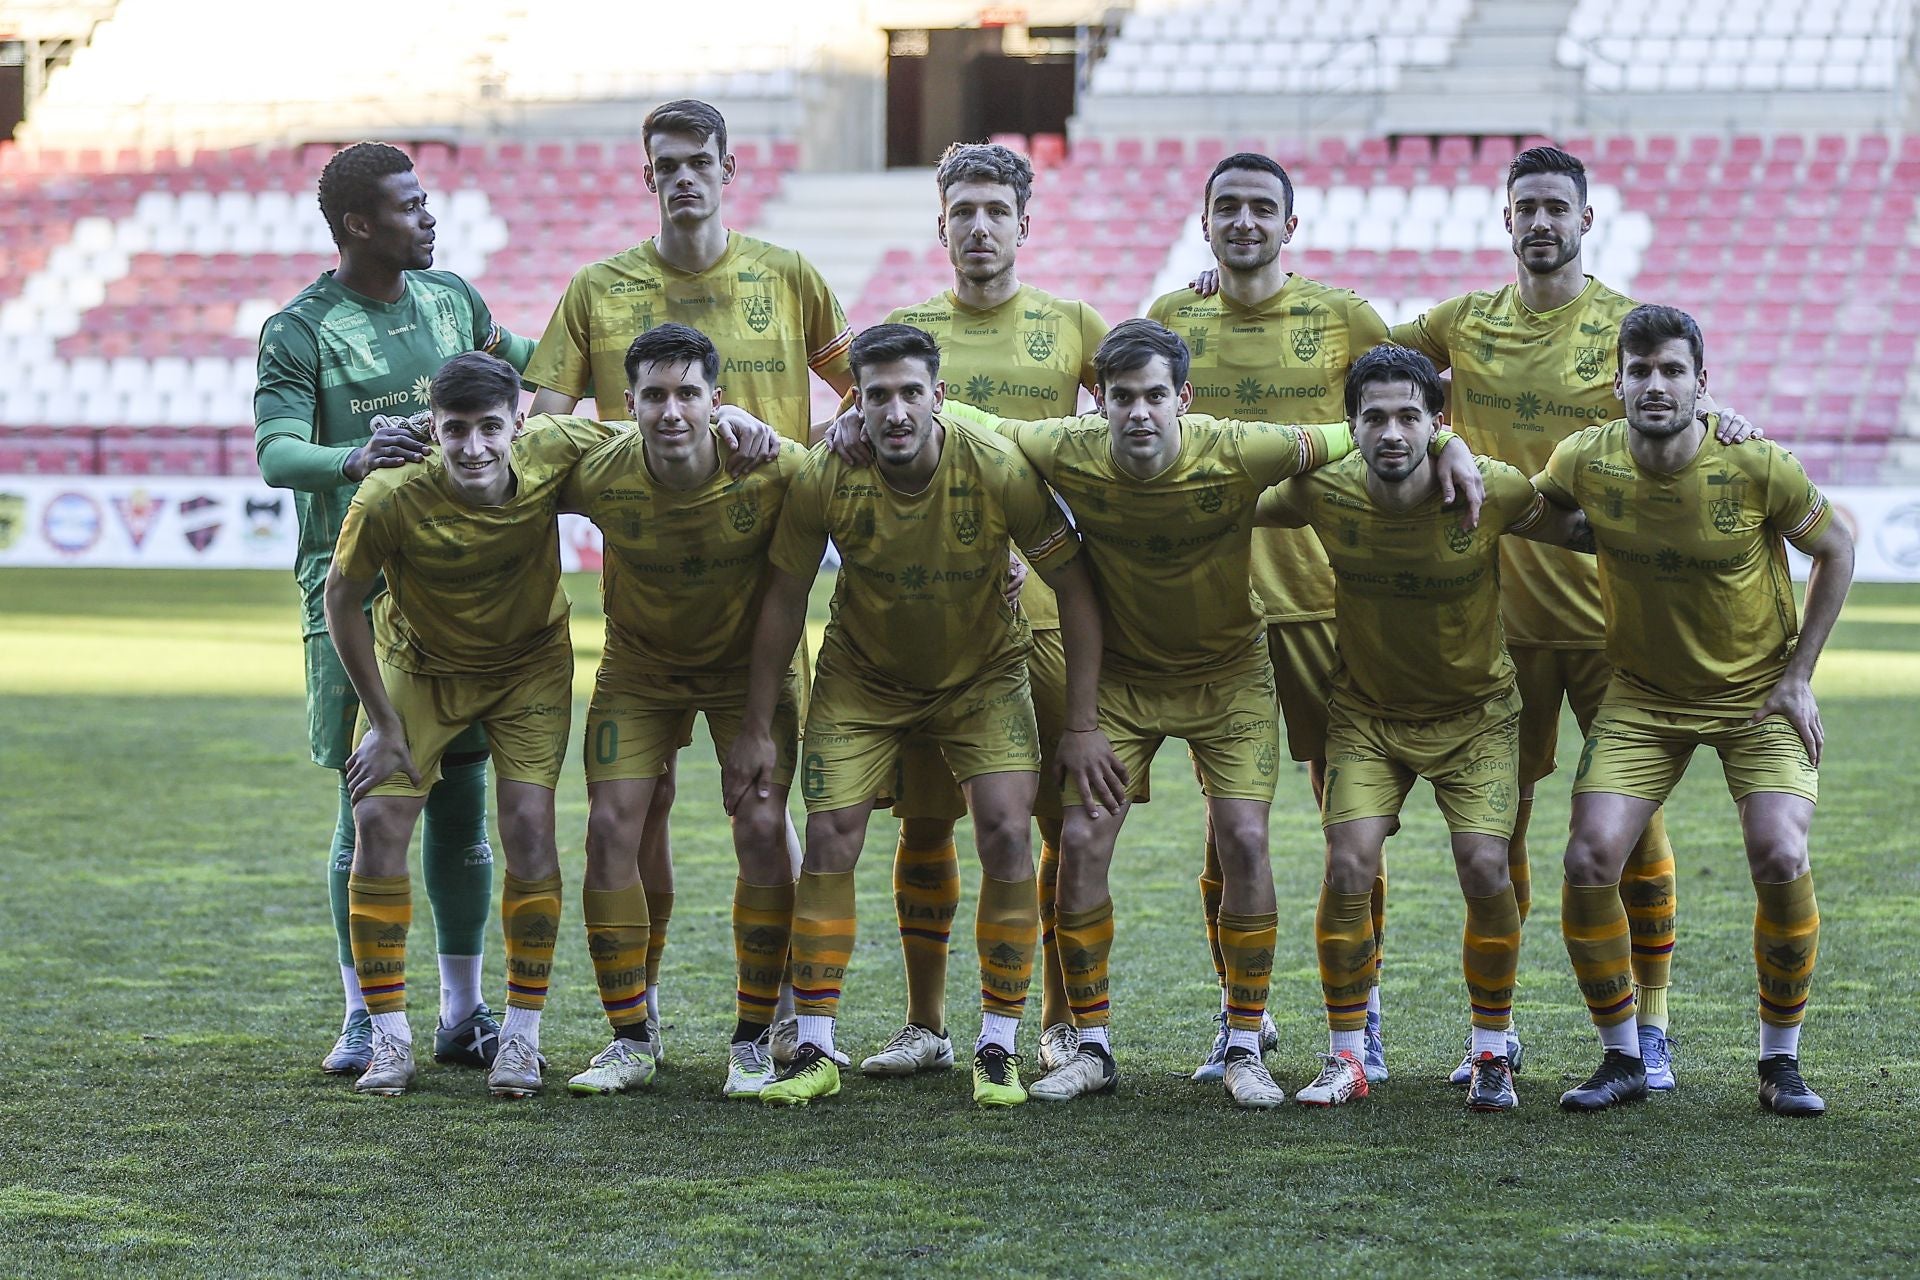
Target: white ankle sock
393,1024
653,1002
521,1022
1775,1041
1095,1035
350,985
1238,1039
997,1029
1353,1042
459,987
816,1030
1495,1042
1624,1036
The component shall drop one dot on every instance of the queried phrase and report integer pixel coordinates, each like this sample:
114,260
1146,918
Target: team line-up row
932,689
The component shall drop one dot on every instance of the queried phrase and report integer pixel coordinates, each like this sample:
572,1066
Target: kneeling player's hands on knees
1793,699
380,755
1086,760
1460,482
750,441
1730,427
848,441
747,772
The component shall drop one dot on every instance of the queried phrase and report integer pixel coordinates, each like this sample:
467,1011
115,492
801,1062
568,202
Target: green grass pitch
164,934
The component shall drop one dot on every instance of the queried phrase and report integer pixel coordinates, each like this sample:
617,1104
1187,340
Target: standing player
1702,637
1423,689
1011,349
766,307
1165,503
685,568
472,628
922,642
1276,346
340,369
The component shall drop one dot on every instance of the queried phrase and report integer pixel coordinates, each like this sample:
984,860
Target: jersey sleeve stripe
1813,518
1047,547
840,344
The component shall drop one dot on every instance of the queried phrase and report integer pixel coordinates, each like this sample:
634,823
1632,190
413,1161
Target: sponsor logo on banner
1899,536
139,511
13,518
263,519
71,523
200,518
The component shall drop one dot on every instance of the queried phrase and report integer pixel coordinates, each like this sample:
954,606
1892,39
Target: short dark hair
1548,160
1257,163
1132,344
473,381
986,162
690,116
886,343
673,344
1388,363
1648,327
350,182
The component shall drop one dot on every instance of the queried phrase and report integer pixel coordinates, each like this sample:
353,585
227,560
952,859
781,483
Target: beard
1565,252
1678,421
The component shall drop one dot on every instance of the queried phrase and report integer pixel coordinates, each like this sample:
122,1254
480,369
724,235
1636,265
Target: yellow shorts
1545,677
1634,750
1303,659
1472,760
858,729
1230,726
927,788
637,719
526,717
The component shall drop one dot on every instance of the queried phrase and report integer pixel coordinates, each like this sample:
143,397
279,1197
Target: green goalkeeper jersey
335,359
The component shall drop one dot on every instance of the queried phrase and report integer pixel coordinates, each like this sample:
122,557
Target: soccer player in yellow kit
1008,348
1270,344
922,642
1423,689
765,307
1533,363
472,628
687,532
1706,651
1164,501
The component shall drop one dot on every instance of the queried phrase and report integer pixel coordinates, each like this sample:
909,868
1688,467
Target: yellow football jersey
920,600
1283,360
1523,381
1026,358
1171,555
1693,566
768,311
470,590
1418,596
684,569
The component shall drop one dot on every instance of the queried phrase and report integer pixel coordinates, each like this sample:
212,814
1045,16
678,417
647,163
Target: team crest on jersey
1350,533
630,526
1040,343
1483,349
1310,336
743,514
1725,509
1588,362
1210,497
966,525
1615,502
1197,341
758,309
1459,541
863,522
1019,730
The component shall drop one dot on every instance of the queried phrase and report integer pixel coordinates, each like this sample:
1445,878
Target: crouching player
687,532
1706,651
472,629
1423,689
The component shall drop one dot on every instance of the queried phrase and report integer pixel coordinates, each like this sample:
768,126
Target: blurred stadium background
1755,163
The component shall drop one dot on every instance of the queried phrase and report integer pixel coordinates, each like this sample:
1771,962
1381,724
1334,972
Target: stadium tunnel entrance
973,83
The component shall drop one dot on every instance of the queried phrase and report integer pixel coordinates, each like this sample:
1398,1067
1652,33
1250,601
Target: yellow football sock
926,894
659,912
530,917
1212,888
823,925
617,941
1647,887
379,909
1379,912
1246,943
1005,927
1053,983
1490,957
1519,871
1786,939
762,928
1343,935
1086,942
1594,923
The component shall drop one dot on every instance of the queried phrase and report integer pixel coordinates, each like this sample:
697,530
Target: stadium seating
1826,46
